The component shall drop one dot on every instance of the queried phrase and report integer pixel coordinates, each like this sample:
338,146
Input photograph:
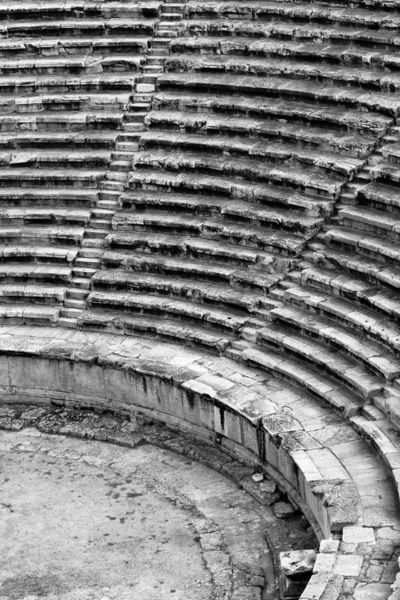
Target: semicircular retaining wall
190,393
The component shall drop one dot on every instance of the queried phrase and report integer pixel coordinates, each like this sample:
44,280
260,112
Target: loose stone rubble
219,180
324,466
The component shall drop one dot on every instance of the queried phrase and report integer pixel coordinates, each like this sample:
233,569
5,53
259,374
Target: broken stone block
296,570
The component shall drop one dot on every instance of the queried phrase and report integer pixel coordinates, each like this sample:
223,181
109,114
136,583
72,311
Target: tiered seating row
322,463
68,75
264,113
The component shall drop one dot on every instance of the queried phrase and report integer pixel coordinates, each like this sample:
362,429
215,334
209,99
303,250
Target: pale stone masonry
206,195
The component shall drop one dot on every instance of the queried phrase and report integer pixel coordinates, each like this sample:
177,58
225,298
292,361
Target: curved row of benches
68,123
244,212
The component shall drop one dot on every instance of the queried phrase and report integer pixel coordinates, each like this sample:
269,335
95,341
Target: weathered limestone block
266,492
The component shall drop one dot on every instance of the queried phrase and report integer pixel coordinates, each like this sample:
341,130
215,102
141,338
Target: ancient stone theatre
200,265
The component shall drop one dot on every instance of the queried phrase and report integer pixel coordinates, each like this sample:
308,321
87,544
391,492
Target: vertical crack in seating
345,297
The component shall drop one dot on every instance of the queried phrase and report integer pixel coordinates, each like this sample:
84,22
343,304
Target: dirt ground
81,520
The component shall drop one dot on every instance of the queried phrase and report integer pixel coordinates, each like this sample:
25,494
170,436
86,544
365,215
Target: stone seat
71,236
17,196
341,368
385,102
366,78
211,341
300,178
377,195
29,314
241,213
39,254
392,135
38,294
44,216
20,47
259,216
91,82
300,374
314,138
251,148
375,297
302,32
50,177
291,321
62,121
168,309
69,101
215,248
281,111
290,12
143,201
230,241
228,187
49,65
57,159
327,54
363,321
365,268
79,27
34,273
12,10
212,272
370,221
367,245
384,430
102,140
221,296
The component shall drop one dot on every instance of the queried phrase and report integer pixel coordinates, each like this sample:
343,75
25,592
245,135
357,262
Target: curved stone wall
325,466
217,182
